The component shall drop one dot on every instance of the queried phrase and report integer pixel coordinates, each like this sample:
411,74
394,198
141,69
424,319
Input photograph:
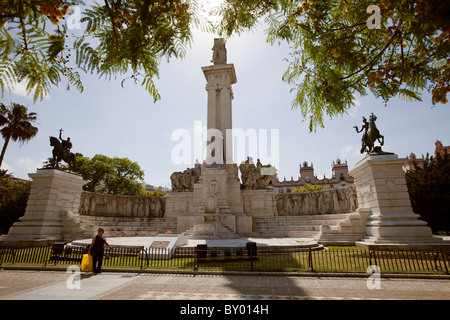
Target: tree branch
371,62
116,39
22,24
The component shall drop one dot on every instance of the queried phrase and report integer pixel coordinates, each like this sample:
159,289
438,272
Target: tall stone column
217,200
220,95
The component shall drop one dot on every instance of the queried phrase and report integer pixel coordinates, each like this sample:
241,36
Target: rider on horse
66,145
371,135
364,128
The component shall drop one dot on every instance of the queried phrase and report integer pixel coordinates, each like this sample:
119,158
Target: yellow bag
86,263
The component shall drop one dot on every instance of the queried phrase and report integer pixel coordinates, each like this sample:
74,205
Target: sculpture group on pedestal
253,177
184,181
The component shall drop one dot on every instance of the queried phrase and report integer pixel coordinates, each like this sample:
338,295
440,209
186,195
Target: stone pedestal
218,191
52,192
381,187
216,203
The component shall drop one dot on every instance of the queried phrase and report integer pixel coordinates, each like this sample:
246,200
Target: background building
412,158
340,178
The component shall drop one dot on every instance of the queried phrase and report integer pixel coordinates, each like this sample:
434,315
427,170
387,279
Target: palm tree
16,124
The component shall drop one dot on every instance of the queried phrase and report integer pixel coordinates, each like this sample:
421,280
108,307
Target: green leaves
133,36
334,55
429,190
409,95
111,175
13,201
16,124
118,38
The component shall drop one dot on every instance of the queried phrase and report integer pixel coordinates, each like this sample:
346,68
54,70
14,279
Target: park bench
205,254
118,250
67,253
74,253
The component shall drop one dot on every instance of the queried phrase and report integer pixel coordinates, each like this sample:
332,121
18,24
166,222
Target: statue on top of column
219,52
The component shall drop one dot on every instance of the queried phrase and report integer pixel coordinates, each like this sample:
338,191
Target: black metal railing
249,258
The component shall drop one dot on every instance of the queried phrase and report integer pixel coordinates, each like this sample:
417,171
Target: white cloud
354,110
20,89
6,166
29,164
349,151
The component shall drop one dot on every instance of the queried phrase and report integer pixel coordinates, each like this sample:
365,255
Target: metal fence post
370,257
444,262
3,252
310,260
201,253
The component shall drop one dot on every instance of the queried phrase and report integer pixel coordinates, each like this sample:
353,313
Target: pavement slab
51,285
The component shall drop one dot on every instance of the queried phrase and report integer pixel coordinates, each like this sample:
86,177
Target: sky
125,122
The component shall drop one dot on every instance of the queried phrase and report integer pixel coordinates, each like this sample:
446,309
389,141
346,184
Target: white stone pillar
220,95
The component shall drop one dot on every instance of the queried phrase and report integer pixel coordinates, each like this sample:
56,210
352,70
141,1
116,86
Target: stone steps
315,217
276,226
216,231
124,227
294,226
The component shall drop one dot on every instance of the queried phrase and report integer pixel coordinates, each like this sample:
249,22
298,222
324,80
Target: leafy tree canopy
115,175
118,38
429,190
16,123
308,188
13,201
337,49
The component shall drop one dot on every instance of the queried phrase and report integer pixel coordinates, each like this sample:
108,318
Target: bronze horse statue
371,134
60,154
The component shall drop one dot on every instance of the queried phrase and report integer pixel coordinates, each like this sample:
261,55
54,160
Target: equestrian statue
370,135
61,151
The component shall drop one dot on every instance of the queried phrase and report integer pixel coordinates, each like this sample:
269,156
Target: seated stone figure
252,176
184,181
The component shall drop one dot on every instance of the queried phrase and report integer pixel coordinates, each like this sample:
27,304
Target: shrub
13,201
307,188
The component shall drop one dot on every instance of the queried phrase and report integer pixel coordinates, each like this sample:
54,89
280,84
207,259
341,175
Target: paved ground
30,285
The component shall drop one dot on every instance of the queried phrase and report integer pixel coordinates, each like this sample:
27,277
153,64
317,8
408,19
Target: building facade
413,160
340,178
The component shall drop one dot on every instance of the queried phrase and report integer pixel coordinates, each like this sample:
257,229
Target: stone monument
381,188
53,193
216,201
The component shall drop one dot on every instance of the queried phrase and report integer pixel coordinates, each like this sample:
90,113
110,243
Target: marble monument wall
97,204
329,201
